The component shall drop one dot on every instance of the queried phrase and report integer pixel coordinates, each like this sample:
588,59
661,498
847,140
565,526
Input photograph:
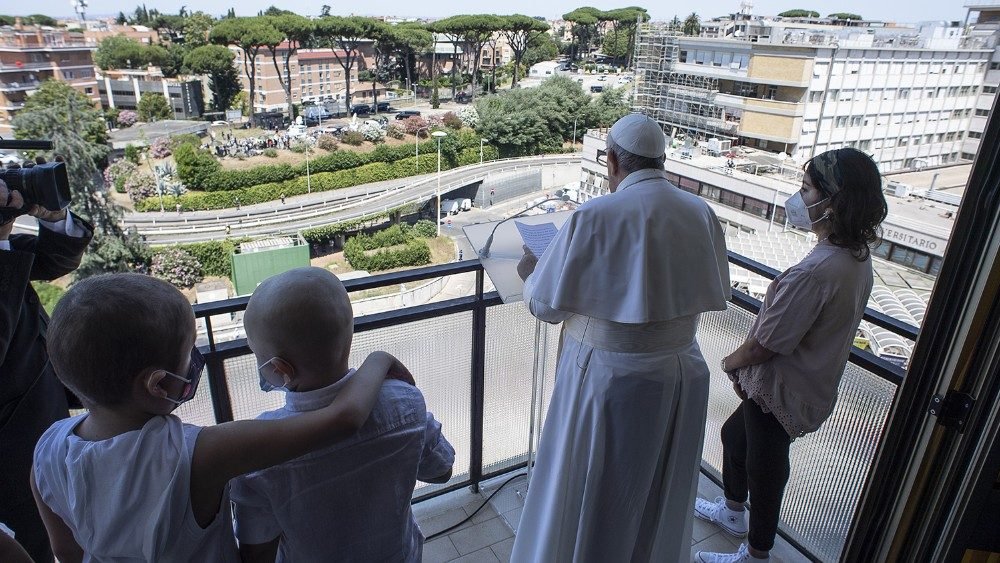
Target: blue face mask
192,380
265,383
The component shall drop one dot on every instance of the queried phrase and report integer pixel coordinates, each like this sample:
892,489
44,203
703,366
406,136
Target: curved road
321,208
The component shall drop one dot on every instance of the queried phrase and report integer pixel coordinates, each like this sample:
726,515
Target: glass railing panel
438,353
828,467
510,356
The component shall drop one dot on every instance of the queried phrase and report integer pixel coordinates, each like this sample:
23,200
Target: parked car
463,97
596,88
220,123
602,78
361,109
383,106
407,113
450,207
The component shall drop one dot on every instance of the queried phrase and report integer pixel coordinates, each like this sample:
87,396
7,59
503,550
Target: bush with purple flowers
140,186
116,174
161,148
127,118
177,267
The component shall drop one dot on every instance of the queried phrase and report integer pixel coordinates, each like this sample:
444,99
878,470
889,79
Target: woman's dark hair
856,200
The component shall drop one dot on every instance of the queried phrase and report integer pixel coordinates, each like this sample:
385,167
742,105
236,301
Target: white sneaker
741,556
732,521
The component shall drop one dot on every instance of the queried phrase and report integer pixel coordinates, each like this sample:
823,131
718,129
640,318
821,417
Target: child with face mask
351,500
788,370
128,480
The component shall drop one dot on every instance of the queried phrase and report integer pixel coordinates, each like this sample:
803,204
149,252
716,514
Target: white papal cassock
617,465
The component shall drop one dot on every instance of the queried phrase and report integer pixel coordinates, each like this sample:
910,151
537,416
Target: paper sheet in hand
537,237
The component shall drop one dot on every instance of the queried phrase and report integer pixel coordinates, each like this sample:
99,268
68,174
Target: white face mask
798,212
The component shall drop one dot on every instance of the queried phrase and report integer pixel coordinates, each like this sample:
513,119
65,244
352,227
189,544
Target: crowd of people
329,476
231,146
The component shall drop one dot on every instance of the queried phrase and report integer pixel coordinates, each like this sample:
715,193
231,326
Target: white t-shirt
128,498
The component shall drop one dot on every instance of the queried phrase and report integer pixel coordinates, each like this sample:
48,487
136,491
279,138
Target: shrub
185,139
127,118
372,132
451,121
469,116
425,228
195,166
354,138
270,153
140,186
326,233
299,147
213,256
395,131
435,122
327,142
161,148
177,267
132,153
48,294
413,124
414,253
116,174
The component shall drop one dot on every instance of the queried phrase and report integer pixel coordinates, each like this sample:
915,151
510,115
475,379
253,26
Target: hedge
228,180
213,255
326,233
48,294
323,181
415,253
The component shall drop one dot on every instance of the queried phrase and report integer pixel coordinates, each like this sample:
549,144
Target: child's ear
151,383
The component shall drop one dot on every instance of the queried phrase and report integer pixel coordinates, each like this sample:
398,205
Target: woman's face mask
798,212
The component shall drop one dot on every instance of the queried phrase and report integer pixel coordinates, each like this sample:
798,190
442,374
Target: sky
904,11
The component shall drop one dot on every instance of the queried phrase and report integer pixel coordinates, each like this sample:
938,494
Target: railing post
478,383
222,406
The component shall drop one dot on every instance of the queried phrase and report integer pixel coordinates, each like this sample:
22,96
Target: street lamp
439,135
416,144
574,131
481,141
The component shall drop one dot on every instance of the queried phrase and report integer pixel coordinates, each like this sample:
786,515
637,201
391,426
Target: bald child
351,501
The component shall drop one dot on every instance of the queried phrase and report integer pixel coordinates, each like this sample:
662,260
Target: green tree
584,22
216,61
344,35
324,10
40,19
692,24
473,32
845,16
250,35
195,29
59,98
521,33
799,14
298,32
412,39
62,115
623,24
541,48
676,24
120,52
615,45
154,107
527,121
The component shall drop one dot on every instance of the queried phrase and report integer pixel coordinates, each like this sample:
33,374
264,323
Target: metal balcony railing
472,357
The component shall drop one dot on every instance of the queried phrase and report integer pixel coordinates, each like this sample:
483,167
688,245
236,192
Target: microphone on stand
485,252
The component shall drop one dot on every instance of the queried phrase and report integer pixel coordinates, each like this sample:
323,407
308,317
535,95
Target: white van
449,207
466,204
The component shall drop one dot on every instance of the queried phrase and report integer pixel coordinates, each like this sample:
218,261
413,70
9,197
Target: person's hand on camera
9,198
38,211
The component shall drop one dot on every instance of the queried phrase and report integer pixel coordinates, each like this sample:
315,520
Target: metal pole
480,151
574,132
308,179
537,391
438,191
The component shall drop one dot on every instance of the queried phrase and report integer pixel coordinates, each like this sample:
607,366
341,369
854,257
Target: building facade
122,89
985,27
907,96
31,55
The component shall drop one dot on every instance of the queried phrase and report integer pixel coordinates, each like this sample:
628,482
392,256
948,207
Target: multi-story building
986,28
122,89
905,95
315,75
95,31
31,55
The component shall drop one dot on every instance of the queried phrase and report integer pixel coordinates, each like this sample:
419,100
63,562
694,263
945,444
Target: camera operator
31,398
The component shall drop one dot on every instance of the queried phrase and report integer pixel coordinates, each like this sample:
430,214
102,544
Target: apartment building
983,17
30,55
122,89
316,75
906,95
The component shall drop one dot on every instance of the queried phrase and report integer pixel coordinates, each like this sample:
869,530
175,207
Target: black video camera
46,184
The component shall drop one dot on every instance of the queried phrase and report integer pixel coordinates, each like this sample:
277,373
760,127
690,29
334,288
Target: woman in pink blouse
788,370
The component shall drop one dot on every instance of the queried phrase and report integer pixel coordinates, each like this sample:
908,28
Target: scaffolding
679,101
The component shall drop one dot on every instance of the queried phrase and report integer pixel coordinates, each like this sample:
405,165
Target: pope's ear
612,162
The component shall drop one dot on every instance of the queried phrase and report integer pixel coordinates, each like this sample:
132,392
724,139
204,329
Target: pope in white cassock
628,274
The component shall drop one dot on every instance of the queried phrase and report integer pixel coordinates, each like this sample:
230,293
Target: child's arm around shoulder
227,450
64,545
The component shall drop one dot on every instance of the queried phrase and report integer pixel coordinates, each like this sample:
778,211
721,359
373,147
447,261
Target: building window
982,112
975,135
864,145
989,89
815,96
856,121
842,121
